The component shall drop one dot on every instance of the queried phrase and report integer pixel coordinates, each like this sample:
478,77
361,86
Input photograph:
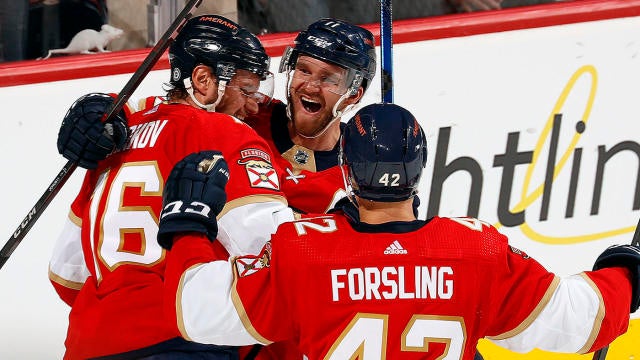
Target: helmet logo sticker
212,46
225,70
175,75
319,41
359,126
219,20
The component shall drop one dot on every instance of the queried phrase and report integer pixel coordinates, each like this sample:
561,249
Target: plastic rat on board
87,40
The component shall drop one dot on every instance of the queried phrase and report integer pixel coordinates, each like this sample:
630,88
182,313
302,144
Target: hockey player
329,68
107,264
386,286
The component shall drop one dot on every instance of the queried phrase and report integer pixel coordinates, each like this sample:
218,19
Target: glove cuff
170,227
623,256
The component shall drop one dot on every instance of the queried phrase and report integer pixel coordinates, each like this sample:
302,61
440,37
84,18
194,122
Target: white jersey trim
206,313
244,229
67,266
568,323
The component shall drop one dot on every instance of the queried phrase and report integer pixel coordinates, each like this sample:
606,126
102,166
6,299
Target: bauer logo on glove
206,165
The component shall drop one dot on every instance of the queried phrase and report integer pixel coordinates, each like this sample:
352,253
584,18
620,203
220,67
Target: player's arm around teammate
107,263
381,285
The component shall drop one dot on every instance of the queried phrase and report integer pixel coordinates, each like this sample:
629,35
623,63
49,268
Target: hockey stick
123,96
602,353
386,54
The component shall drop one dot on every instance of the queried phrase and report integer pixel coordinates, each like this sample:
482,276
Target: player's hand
623,256
193,196
85,137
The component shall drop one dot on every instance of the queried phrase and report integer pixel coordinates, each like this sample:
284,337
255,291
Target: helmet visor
332,78
259,91
265,91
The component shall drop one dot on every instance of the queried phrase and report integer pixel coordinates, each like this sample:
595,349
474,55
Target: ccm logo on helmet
319,41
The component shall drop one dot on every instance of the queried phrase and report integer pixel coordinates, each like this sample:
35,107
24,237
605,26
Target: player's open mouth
310,105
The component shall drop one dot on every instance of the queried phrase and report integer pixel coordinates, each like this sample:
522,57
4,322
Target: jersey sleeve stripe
242,313
597,323
534,314
75,219
64,282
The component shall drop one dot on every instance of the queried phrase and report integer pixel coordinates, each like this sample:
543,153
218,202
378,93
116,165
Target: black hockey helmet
338,42
385,150
217,42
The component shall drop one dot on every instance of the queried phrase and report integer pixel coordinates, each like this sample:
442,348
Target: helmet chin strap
288,108
222,84
346,180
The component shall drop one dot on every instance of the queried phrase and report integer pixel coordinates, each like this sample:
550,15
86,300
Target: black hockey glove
623,256
84,137
193,196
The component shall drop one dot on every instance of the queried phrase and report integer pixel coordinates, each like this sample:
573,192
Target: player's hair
217,42
385,150
338,42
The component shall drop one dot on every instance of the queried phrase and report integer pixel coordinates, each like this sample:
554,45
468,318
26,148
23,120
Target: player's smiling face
237,99
316,86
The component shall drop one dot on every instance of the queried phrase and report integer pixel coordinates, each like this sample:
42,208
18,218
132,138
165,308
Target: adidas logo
395,248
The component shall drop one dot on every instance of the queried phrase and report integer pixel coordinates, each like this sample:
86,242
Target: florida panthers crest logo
260,172
250,264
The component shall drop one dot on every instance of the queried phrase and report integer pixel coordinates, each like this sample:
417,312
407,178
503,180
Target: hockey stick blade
123,96
602,353
386,50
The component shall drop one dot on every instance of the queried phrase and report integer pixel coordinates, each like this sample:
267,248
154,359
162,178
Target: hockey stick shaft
386,53
602,353
636,235
123,96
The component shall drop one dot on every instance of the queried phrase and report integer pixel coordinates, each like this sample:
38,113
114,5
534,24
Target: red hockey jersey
416,290
107,264
311,180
